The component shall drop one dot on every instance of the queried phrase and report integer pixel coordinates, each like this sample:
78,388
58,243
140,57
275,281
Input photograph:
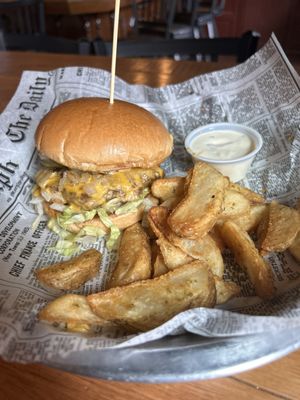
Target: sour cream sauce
222,145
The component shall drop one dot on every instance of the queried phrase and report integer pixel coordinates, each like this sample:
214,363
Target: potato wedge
250,221
234,205
147,304
253,197
71,312
165,188
294,248
173,256
159,266
170,203
202,249
71,274
279,229
134,263
198,211
225,290
248,258
157,218
215,235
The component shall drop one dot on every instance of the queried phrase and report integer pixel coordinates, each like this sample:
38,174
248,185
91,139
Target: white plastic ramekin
236,169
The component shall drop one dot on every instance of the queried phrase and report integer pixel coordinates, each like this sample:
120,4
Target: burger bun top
90,134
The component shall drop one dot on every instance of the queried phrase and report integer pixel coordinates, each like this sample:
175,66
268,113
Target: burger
98,163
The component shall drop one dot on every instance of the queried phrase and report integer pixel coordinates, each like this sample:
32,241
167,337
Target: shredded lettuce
65,247
114,233
69,217
113,237
130,206
54,227
102,214
112,205
57,207
37,203
90,230
43,176
68,242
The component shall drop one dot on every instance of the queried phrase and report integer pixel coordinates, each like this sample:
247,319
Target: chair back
156,18
22,17
201,14
43,43
242,47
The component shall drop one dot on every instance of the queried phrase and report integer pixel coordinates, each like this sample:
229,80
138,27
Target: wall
264,16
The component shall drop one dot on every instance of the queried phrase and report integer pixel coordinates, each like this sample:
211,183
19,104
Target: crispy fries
134,261
159,266
234,205
198,211
198,217
249,194
250,221
170,203
225,290
166,188
248,257
146,304
215,235
71,274
71,312
202,249
279,229
173,256
294,248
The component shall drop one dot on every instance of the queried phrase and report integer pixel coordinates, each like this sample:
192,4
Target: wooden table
279,380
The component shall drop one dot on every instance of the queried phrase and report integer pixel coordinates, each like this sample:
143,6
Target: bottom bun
121,221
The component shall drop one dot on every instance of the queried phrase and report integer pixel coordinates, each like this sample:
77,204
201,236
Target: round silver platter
182,358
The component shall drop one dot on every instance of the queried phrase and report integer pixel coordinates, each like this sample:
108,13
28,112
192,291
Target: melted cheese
88,191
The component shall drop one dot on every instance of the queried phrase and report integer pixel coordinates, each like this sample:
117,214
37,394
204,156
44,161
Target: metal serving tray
182,358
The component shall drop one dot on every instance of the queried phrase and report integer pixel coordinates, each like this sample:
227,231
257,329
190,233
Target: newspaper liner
263,93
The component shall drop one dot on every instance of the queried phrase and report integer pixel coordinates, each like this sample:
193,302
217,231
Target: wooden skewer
114,51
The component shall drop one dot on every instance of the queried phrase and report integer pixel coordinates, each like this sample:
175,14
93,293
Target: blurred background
233,17
176,19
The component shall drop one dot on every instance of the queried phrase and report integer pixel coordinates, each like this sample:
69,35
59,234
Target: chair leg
87,26
98,23
196,32
2,42
212,29
201,32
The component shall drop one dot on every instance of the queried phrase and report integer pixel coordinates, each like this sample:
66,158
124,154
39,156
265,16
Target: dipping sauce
222,145
226,146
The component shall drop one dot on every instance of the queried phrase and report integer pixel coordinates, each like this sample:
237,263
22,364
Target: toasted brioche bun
91,134
121,221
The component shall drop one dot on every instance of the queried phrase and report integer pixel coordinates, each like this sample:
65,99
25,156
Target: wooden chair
242,47
22,17
178,19
157,18
208,18
43,43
